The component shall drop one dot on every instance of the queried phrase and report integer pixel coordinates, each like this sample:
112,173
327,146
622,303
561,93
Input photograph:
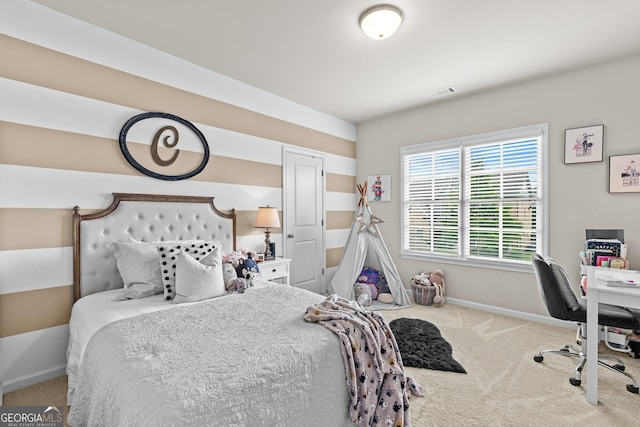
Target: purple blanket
374,372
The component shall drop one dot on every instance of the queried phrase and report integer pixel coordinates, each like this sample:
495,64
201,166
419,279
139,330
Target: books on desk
621,284
601,252
619,279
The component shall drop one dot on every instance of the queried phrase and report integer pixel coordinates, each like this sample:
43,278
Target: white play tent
365,247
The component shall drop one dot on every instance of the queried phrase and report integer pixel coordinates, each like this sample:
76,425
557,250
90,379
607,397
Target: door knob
291,236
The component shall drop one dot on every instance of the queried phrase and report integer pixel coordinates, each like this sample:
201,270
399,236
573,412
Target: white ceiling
313,52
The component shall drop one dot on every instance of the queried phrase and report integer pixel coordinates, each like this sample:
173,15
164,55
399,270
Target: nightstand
275,270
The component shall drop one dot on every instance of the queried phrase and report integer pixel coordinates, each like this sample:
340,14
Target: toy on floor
429,288
437,279
363,294
371,277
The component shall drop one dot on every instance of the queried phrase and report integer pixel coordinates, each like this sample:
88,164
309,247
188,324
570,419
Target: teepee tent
366,247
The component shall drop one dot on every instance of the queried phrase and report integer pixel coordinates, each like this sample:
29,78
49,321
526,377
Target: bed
234,359
156,338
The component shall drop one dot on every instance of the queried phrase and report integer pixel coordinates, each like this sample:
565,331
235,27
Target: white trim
285,193
504,265
513,313
35,378
539,131
33,357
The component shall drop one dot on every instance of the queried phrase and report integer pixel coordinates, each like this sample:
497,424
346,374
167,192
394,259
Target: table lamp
267,218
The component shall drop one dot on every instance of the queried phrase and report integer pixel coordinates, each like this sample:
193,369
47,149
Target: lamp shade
381,22
267,218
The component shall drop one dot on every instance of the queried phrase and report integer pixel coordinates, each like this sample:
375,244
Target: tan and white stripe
63,105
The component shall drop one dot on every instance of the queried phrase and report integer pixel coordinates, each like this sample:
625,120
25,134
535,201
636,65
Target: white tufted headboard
145,218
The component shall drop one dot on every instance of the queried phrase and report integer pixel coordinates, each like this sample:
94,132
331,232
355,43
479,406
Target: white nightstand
275,270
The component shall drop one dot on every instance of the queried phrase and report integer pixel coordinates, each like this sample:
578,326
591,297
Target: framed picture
583,145
624,177
379,188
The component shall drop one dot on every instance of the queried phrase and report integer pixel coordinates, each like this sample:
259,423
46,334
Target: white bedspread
91,313
241,360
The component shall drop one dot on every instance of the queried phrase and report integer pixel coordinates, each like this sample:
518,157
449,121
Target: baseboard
36,378
513,313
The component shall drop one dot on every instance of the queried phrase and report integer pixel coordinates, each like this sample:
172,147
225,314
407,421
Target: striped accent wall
67,89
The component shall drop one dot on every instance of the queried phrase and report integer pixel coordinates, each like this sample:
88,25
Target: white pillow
195,280
137,291
168,254
138,262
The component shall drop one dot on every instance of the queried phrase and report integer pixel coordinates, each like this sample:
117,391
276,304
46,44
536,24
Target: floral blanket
376,380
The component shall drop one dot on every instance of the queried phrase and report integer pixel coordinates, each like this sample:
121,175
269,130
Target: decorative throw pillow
137,291
169,254
196,281
138,261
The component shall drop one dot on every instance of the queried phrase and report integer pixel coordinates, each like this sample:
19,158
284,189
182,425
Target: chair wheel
632,389
538,358
577,382
618,367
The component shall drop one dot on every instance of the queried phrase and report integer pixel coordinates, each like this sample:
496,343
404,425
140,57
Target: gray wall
606,94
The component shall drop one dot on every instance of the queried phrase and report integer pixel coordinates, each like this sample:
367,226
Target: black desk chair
562,303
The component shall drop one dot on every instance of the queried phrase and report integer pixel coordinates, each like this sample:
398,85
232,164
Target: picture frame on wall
379,188
624,173
584,144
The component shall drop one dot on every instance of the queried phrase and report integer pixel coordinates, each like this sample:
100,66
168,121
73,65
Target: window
478,199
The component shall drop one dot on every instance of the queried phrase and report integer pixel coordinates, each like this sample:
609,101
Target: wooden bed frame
144,218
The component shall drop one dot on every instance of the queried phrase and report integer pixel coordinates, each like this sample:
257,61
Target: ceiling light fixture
380,22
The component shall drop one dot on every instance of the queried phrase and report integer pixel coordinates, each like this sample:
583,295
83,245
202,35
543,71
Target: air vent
443,92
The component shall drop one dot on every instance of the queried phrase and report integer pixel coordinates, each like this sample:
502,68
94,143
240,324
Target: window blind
501,199
432,201
479,198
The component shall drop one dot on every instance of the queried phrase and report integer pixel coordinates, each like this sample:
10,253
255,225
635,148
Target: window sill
525,267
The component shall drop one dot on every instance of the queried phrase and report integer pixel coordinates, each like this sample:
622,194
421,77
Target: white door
303,232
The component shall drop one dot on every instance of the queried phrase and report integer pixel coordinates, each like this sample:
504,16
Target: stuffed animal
228,273
247,264
383,286
374,289
237,284
421,279
250,276
363,294
437,279
234,258
371,277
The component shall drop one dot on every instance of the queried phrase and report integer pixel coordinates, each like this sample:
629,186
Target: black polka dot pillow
168,254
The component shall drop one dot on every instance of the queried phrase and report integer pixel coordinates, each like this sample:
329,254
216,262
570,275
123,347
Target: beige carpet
503,386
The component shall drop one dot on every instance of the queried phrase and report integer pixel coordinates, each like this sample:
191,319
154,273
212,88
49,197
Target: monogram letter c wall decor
167,136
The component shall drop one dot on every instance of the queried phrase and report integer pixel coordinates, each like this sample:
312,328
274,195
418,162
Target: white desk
601,293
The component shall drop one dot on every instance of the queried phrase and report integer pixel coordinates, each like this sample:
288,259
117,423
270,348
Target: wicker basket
423,295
